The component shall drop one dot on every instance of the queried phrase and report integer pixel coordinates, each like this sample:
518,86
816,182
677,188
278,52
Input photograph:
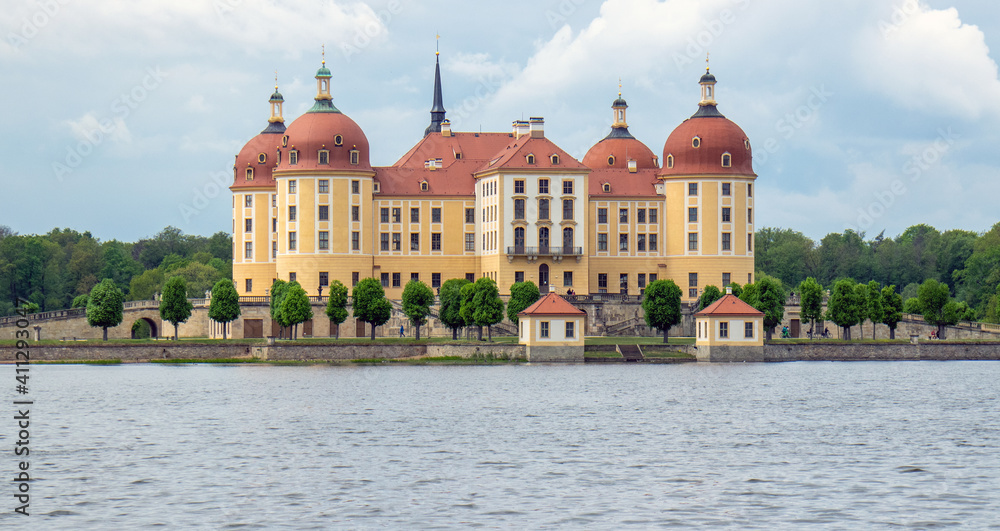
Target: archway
144,328
543,278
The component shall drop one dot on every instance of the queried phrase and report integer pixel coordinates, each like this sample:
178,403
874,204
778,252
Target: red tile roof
730,305
454,177
552,304
514,156
623,184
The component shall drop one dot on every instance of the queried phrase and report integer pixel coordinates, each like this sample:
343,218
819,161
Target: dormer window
746,144
378,187
262,158
554,158
606,187
611,160
249,174
696,142
423,186
293,157
727,160
324,156
670,161
284,141
530,158
338,140
277,155
355,156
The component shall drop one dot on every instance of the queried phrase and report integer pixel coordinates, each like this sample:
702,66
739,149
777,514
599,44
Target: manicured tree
105,306
488,305
933,297
370,304
892,309
80,301
844,307
451,305
295,307
336,306
875,304
522,295
174,304
468,308
417,301
811,296
710,295
861,295
278,288
661,305
225,305
768,297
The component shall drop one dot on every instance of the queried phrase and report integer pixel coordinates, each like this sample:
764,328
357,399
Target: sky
874,115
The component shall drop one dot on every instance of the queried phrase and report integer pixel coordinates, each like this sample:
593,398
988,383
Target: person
826,332
402,333
570,292
810,333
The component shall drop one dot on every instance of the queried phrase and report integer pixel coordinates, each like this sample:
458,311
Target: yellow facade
733,331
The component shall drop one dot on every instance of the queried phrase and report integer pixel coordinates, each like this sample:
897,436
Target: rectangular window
274,224
641,280
355,213
727,241
324,213
355,241
692,241
248,250
726,280
652,242
324,186
415,241
385,280
567,278
544,329
324,278
749,215
291,186
519,186
623,242
602,242
543,209
274,200
470,241
723,329
384,241
652,215
397,280
415,276
652,278
414,215
693,293
518,276
248,225
726,188
570,329
750,242
435,280
436,241
640,215
397,241
355,157
355,187
748,329
324,157
324,240
291,241
249,285
293,157
291,213
622,215
470,215
291,277
602,215
602,281
543,186
519,209
567,187
355,278
471,277
397,215
567,208
726,216
693,214
384,215
274,249
623,282
749,189
640,242
692,188
692,280
248,200
436,215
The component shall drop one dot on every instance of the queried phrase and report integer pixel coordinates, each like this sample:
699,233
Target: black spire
437,109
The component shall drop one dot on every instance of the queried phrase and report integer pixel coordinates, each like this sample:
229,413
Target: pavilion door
359,328
543,278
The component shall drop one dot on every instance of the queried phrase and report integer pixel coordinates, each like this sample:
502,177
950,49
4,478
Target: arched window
423,186
530,158
670,161
554,158
568,240
696,142
543,240
518,240
606,187
727,160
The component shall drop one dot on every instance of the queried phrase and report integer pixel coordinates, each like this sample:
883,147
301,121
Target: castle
512,206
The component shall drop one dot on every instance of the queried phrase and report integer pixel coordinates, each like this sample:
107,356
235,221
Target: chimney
520,128
552,288
446,128
729,290
537,127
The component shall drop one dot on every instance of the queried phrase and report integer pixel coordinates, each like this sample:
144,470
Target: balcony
554,251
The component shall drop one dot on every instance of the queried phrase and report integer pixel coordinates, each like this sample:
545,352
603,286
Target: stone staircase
630,352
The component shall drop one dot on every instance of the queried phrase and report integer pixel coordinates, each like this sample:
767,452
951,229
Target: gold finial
276,81
619,86
437,44
707,55
324,55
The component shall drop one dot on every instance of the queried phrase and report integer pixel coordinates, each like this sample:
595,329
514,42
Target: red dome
622,149
332,131
265,144
716,136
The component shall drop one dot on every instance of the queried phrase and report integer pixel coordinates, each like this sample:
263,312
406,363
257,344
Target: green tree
522,295
844,306
488,305
146,285
770,299
278,289
451,305
198,277
468,309
736,288
80,301
976,281
336,306
912,306
417,301
875,306
295,307
934,297
105,306
661,305
174,305
119,265
370,304
892,309
225,305
992,312
811,297
710,295
784,254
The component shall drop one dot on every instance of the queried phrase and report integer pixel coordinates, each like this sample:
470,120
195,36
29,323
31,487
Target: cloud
89,128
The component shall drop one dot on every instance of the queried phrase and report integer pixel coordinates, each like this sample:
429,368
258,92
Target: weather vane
437,44
619,86
275,80
324,55
707,55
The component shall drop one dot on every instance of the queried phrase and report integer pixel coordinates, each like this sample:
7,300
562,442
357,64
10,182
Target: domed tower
324,197
708,182
620,149
253,186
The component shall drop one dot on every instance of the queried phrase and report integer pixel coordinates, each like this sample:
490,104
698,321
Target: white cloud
91,129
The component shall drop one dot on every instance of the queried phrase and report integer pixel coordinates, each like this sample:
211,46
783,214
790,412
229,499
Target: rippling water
749,446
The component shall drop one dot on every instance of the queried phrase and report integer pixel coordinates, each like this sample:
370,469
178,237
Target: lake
747,446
